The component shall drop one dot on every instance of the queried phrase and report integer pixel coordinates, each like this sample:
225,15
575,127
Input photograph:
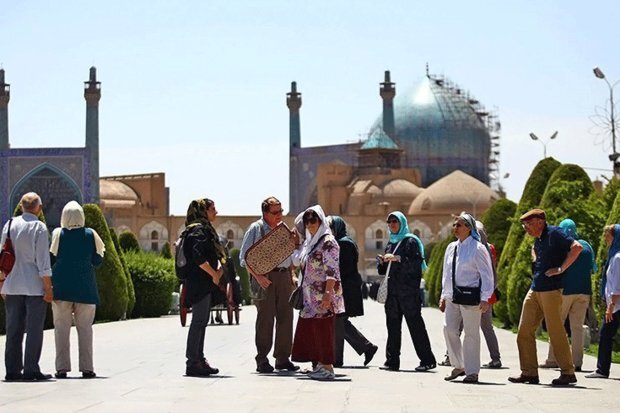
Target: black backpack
181,267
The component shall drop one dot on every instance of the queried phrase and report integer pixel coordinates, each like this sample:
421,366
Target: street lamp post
544,143
612,119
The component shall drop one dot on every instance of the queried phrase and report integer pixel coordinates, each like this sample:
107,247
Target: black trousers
344,330
408,306
194,351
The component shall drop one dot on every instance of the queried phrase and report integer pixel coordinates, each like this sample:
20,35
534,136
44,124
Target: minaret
92,94
293,101
5,96
387,93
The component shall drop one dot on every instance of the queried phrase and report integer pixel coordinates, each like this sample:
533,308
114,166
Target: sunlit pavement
140,366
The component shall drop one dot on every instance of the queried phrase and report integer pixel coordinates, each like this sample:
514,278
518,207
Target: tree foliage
128,241
244,278
497,222
154,281
131,294
433,274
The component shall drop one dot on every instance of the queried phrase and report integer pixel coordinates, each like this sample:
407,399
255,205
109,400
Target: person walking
575,296
467,267
272,291
610,292
322,296
352,295
403,263
76,251
552,253
26,292
206,258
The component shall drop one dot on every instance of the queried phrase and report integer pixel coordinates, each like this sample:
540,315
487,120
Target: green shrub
128,241
532,194
497,221
154,281
244,277
433,274
166,252
111,279
428,251
131,294
18,211
610,192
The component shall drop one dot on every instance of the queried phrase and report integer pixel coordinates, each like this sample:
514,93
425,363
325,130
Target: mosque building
432,153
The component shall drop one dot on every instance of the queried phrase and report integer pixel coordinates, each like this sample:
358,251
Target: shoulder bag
7,254
382,293
463,295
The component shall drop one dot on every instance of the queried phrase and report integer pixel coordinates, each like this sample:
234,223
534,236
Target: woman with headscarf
206,258
467,286
403,263
75,252
575,296
322,295
352,295
610,292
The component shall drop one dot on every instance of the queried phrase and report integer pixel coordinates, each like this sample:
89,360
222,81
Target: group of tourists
324,263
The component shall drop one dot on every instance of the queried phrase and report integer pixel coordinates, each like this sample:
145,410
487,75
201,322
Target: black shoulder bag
463,295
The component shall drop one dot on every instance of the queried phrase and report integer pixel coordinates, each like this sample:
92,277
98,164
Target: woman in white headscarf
322,295
76,251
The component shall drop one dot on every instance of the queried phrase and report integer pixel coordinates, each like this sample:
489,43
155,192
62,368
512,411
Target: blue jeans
608,331
24,315
197,330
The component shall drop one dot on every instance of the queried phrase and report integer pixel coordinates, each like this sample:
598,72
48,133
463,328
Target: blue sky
196,89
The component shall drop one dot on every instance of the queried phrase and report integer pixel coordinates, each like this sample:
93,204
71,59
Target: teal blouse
73,270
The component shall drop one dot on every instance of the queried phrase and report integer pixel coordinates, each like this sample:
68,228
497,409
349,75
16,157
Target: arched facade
153,236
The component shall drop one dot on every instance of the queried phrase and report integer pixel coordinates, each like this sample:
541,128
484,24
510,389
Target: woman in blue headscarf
403,263
610,292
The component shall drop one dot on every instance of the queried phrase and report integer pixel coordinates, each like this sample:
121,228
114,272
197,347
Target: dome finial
427,71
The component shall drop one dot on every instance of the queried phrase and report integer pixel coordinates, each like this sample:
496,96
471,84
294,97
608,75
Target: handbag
463,295
7,254
296,300
382,293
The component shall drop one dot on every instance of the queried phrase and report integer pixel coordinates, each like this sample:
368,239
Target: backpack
180,260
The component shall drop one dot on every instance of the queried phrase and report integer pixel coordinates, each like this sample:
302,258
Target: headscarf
311,240
403,232
72,217
570,228
614,248
339,229
197,215
470,222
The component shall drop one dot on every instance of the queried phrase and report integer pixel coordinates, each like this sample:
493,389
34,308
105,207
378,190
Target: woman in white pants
467,285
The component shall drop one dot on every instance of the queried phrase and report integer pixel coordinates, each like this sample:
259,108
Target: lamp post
544,143
612,119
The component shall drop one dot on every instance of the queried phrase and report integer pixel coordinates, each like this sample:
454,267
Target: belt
280,269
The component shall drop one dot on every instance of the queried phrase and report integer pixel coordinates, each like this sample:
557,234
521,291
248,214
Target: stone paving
140,367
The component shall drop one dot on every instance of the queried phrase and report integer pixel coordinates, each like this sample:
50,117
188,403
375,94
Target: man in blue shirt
575,296
553,252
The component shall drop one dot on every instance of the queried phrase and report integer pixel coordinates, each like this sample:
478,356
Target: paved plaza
140,364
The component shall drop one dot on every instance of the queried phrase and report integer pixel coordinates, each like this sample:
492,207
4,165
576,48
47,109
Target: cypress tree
131,293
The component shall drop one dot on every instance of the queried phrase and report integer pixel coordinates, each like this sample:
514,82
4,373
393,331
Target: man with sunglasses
272,293
553,252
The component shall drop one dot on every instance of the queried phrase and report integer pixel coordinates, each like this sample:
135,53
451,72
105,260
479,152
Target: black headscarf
197,215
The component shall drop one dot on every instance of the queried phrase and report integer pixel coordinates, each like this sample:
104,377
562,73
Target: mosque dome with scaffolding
441,128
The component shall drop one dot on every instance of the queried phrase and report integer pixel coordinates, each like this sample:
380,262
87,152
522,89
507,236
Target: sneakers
426,367
548,365
322,374
524,379
471,378
369,354
564,380
454,374
596,375
287,366
493,364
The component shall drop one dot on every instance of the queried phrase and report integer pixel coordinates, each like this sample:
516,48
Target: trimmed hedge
497,222
165,251
433,274
128,241
131,294
111,279
532,194
244,277
154,281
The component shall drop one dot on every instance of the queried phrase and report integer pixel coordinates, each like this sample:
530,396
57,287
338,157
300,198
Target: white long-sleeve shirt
473,268
612,287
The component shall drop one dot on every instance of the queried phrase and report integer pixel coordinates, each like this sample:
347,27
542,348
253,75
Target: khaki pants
272,307
536,306
574,306
65,313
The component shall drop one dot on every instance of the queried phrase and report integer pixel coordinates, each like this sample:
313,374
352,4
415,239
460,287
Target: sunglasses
311,220
392,221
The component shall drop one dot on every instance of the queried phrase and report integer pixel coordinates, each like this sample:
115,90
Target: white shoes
321,373
596,375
